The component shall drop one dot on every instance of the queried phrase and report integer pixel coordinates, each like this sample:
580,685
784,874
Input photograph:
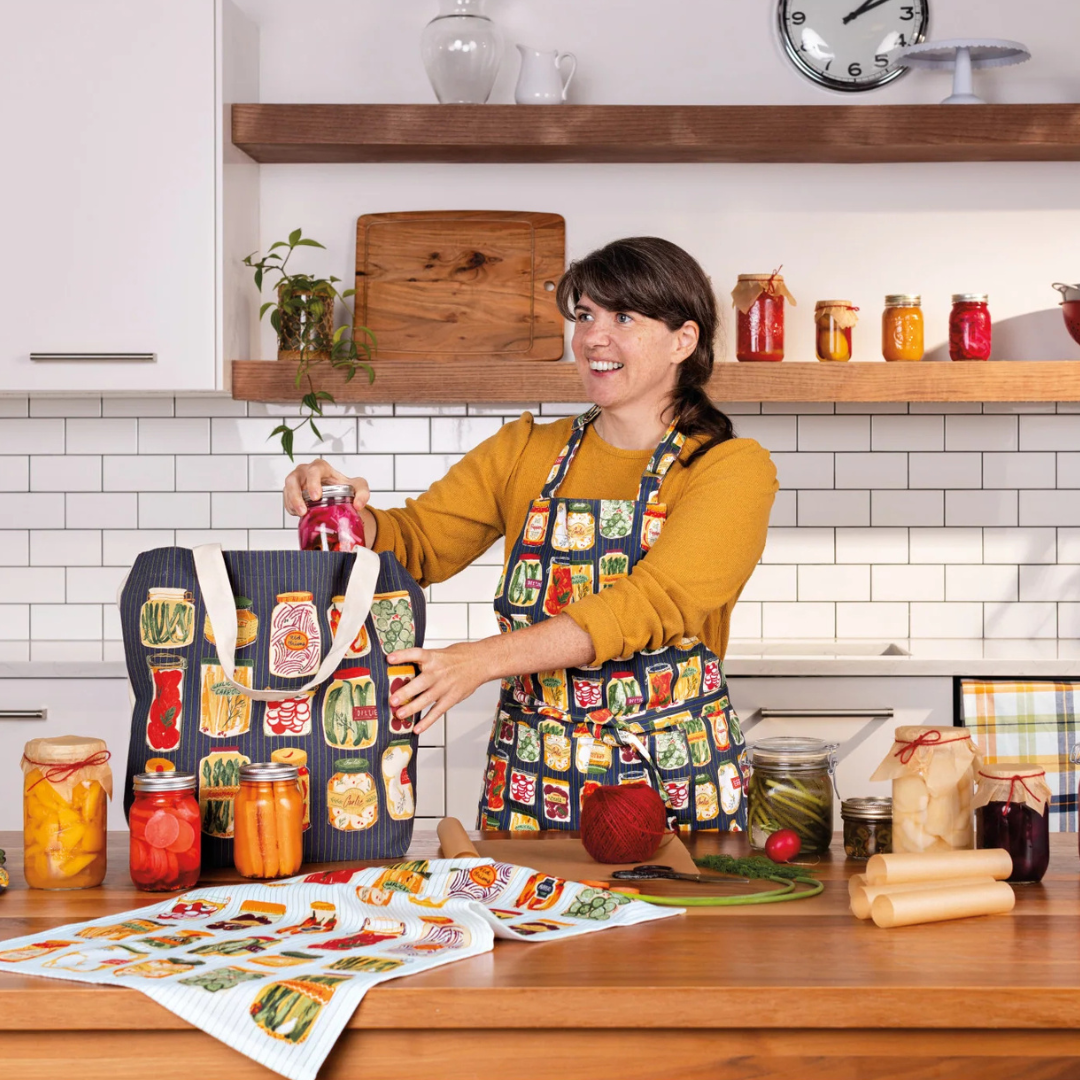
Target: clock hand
867,5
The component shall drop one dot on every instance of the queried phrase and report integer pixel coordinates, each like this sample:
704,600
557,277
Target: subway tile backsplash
931,520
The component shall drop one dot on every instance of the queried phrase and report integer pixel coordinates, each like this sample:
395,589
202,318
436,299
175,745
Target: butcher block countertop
799,990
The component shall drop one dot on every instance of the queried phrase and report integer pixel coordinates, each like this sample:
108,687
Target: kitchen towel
275,971
1031,722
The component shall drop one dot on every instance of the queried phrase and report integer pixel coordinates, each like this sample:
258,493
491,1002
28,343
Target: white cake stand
963,54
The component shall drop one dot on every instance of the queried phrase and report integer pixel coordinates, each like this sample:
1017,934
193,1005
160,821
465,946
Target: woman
620,603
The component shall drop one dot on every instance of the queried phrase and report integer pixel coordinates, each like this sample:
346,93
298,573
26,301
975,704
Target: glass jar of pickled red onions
166,832
268,832
969,327
332,522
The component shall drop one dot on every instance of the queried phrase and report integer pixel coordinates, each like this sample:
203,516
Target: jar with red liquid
969,327
1012,812
166,832
759,304
332,523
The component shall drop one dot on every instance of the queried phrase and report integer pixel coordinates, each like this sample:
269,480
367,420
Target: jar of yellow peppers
833,320
902,327
66,786
268,834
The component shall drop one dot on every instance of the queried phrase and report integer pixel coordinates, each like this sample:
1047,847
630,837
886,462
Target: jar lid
266,771
868,808
164,781
834,303
63,749
1006,770
791,750
289,755
903,300
332,491
970,298
352,764
761,277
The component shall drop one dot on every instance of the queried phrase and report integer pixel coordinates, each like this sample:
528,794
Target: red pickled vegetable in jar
759,318
166,832
969,327
332,523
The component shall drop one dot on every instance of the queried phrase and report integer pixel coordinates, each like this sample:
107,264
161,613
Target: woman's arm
448,676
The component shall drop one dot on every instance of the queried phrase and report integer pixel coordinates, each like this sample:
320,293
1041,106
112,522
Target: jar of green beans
791,787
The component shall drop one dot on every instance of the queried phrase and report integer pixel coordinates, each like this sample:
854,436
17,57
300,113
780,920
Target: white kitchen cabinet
118,179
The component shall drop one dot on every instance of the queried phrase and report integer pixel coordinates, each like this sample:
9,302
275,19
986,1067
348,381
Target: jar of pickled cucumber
791,787
67,783
867,827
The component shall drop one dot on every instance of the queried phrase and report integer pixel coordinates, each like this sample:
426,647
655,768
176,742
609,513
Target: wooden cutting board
461,284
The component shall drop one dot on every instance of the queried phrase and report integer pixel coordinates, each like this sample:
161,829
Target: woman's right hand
310,478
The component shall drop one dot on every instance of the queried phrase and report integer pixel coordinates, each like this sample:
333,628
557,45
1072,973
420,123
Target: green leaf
266,307
287,443
279,243
370,373
350,374
258,279
338,333
318,433
294,237
324,395
275,319
278,430
308,243
348,292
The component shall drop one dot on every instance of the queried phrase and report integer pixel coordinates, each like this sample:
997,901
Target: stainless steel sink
816,648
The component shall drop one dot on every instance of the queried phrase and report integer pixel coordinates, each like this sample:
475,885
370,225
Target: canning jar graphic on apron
295,638
167,619
661,718
350,715
400,801
352,798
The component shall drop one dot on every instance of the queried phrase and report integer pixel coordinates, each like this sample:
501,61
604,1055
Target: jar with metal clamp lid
791,787
867,827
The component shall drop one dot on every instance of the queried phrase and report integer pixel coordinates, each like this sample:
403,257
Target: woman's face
625,358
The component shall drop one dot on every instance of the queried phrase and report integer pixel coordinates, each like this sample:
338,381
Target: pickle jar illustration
295,638
167,705
560,588
706,802
614,565
352,797
247,624
219,782
286,1010
659,678
580,525
395,624
557,752
167,619
224,712
698,739
623,693
528,743
731,786
400,802
717,718
616,518
581,580
560,533
537,522
553,688
526,581
361,644
688,684
350,716
651,525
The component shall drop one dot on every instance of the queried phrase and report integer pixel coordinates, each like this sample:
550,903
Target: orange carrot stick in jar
287,812
246,843
268,833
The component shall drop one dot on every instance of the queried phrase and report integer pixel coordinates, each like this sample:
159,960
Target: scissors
651,871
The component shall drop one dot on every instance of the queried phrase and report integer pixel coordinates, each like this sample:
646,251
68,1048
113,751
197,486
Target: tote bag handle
217,594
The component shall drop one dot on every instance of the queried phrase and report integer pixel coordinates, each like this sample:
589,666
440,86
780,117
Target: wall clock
845,44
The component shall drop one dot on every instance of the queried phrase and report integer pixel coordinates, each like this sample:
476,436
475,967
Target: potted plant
303,317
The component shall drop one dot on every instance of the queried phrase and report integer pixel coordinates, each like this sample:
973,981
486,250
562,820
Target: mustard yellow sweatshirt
687,584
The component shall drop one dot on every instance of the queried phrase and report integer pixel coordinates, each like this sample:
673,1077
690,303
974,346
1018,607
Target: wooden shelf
434,381
656,133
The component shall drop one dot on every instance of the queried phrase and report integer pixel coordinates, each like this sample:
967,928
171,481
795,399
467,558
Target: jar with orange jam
759,320
833,322
67,783
268,832
902,327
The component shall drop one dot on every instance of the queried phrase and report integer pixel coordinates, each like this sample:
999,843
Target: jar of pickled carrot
166,832
902,327
759,303
833,322
969,327
267,835
67,783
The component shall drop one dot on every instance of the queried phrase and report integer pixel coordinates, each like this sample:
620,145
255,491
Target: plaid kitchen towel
1031,722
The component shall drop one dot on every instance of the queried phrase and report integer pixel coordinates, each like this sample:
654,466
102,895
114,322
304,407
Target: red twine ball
623,824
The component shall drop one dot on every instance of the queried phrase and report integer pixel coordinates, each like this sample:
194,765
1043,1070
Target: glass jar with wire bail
791,787
867,826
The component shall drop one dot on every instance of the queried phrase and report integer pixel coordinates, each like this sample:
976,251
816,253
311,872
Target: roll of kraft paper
895,869
856,882
939,905
862,899
453,841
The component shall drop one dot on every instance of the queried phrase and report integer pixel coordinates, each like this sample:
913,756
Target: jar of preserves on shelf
902,327
268,832
759,303
791,787
166,833
833,320
1012,812
867,827
67,783
332,522
932,771
969,327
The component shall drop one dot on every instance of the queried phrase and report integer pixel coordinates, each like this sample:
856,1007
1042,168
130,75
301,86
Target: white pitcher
541,80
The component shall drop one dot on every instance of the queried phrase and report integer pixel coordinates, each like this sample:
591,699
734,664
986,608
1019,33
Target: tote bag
234,655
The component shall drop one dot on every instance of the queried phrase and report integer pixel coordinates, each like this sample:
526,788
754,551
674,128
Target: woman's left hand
447,677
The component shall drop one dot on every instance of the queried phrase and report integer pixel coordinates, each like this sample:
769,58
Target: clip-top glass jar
1011,807
833,320
969,327
867,826
902,327
268,832
166,832
67,783
331,523
759,303
791,787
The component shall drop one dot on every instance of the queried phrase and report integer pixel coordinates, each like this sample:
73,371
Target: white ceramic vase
462,49
541,81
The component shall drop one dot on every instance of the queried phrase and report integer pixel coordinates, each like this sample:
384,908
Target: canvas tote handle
217,594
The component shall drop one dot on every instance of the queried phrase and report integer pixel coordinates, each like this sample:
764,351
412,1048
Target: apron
661,718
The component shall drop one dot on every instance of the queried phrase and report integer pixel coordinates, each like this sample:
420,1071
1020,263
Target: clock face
845,44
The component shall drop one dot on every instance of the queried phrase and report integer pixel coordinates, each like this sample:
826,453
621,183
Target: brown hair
659,280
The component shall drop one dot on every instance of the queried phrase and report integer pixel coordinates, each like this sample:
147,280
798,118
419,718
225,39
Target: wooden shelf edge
466,381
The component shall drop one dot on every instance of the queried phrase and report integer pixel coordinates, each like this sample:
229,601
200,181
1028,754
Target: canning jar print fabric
661,717
188,716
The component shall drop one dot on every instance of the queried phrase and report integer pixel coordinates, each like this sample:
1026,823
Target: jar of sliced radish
166,848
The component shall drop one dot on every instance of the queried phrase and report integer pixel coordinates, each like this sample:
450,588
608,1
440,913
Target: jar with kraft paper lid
759,321
1012,811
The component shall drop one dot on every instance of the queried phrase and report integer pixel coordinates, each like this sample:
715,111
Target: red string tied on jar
1015,779
60,771
623,824
927,738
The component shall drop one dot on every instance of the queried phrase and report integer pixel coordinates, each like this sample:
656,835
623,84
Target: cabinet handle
24,714
816,714
95,357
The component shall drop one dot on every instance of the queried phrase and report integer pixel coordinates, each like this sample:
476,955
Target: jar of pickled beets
969,327
166,832
1011,812
332,523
